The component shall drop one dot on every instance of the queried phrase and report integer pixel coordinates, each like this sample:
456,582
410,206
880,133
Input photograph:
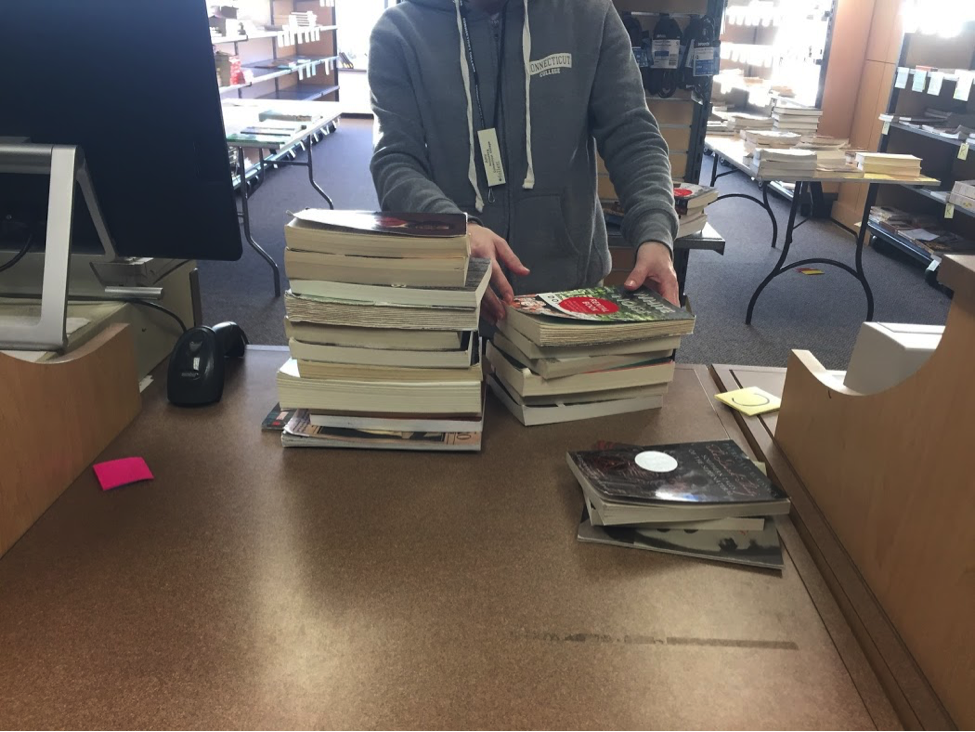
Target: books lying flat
398,423
690,197
533,351
756,548
379,234
419,272
526,383
584,397
889,163
334,395
567,409
553,368
456,359
300,432
468,296
683,482
378,338
596,316
348,312
691,224
358,372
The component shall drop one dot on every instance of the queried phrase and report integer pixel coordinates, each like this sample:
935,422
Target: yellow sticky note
750,401
886,128
963,151
949,211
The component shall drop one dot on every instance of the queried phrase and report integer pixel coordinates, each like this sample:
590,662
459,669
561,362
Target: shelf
928,193
919,253
258,80
924,133
270,34
302,92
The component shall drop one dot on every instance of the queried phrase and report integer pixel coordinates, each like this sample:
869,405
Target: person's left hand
655,268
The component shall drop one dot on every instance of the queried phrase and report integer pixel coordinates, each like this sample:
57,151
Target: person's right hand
488,245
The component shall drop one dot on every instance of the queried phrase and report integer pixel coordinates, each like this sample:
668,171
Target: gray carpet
821,313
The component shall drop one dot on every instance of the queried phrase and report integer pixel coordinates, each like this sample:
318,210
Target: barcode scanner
197,366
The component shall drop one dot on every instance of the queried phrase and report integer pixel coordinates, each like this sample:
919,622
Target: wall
880,65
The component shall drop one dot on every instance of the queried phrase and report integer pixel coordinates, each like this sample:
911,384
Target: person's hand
488,245
655,268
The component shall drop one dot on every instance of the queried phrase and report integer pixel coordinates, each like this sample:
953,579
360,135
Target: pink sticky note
117,473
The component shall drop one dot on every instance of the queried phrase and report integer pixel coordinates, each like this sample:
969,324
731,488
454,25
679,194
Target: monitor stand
113,278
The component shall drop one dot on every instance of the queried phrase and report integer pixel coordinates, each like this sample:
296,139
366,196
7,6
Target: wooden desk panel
250,586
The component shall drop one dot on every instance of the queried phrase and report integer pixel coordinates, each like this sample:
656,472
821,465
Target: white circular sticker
656,462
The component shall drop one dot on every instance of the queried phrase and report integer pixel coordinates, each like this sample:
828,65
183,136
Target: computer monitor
133,83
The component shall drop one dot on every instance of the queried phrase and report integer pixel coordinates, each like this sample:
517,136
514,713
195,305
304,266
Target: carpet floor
821,313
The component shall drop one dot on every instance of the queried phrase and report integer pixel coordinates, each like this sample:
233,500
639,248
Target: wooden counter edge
903,682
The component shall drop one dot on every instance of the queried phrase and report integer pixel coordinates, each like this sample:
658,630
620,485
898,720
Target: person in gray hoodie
554,80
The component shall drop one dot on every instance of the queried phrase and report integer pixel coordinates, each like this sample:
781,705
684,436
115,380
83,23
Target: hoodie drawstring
466,74
526,50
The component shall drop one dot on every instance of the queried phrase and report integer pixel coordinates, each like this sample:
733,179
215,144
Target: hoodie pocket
540,238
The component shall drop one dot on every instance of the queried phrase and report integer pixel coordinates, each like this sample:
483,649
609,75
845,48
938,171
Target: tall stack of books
701,499
560,357
794,118
382,317
901,166
789,163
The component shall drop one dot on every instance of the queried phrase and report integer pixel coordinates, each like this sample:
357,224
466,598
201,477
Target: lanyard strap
476,79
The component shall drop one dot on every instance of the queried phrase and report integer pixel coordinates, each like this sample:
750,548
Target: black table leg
681,259
311,177
779,266
872,191
771,214
247,219
714,167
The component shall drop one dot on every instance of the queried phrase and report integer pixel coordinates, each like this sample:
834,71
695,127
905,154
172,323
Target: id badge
491,155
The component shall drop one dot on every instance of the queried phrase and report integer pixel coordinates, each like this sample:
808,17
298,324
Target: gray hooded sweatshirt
569,80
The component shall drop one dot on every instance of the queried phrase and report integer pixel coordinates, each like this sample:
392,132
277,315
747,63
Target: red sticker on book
683,192
589,305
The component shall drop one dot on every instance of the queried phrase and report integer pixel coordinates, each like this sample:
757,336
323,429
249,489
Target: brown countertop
249,586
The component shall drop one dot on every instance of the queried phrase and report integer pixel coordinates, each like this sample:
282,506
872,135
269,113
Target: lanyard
476,78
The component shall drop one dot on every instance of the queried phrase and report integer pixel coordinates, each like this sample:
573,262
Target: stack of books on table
382,317
900,166
791,163
963,194
745,121
791,117
755,139
691,200
701,499
560,357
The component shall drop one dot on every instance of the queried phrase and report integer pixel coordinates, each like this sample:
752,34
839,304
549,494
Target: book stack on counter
560,357
744,121
791,117
382,319
899,166
691,200
701,499
790,163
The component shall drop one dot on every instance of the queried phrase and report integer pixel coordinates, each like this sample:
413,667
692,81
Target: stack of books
302,20
691,200
963,194
560,357
901,166
772,139
921,231
745,121
790,163
793,118
382,317
702,499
